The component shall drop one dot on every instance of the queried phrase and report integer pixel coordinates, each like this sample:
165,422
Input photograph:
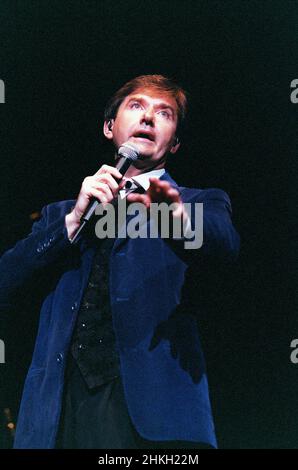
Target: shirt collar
143,179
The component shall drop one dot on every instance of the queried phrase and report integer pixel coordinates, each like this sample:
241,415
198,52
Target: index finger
109,169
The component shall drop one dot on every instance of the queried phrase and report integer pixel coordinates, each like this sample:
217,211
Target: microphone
128,154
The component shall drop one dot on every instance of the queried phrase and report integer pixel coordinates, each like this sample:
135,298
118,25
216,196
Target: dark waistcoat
93,344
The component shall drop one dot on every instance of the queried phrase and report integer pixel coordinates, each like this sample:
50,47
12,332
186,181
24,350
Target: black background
61,61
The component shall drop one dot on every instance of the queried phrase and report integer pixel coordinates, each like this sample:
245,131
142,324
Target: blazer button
59,357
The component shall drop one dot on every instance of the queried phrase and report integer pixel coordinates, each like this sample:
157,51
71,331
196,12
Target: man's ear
108,128
176,145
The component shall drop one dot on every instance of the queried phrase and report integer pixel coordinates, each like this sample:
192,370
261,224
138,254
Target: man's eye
166,114
135,105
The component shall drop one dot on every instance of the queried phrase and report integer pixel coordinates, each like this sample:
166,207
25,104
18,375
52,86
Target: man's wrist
72,224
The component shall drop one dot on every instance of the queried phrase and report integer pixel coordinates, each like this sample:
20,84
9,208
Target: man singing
117,361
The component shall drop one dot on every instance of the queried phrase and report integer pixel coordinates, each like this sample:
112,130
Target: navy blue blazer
162,365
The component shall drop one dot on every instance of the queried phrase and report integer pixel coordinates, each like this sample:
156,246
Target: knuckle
108,177
101,186
107,168
86,183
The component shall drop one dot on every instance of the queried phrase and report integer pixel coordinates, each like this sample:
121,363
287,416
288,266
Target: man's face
148,119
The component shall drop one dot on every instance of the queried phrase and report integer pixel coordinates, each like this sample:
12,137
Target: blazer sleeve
212,224
40,248
220,237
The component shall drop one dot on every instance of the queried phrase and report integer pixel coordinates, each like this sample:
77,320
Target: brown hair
157,82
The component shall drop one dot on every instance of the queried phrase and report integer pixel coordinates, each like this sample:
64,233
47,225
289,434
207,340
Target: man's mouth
144,135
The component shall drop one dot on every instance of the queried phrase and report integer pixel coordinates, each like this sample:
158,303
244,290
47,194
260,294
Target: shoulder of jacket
200,195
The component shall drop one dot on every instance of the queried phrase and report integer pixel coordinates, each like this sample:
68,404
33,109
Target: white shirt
140,180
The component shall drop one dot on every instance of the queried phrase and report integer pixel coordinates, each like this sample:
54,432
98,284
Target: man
117,361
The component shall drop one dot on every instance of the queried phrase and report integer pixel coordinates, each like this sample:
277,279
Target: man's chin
145,145
142,161
144,152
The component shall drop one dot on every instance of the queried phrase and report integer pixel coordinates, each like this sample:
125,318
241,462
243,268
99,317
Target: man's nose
148,116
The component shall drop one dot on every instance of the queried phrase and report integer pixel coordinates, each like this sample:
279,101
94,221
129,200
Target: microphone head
128,150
